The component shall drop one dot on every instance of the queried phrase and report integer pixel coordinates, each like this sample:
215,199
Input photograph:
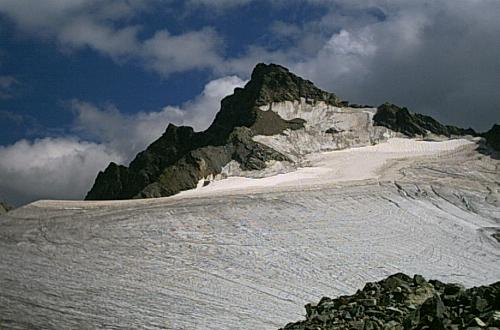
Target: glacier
249,252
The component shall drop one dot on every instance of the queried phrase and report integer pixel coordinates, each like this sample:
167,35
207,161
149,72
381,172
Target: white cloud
285,29
79,23
50,168
346,44
200,112
167,53
104,26
52,15
116,43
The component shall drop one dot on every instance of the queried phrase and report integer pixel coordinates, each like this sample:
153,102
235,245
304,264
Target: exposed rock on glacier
414,124
403,302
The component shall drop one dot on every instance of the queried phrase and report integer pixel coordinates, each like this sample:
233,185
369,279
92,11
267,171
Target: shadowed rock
402,302
414,124
493,137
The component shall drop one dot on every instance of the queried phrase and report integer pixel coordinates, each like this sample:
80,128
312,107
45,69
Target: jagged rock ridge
400,119
413,124
181,157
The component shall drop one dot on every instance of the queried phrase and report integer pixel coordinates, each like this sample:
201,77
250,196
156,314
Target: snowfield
351,164
246,253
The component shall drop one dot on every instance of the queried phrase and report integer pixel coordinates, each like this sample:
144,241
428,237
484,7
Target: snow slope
351,164
250,258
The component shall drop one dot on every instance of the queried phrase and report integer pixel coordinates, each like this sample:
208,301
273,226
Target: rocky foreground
402,302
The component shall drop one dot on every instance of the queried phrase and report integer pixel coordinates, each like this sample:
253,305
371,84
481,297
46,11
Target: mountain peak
275,83
181,146
269,83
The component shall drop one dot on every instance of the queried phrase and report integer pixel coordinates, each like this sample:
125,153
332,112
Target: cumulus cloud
79,23
66,167
50,168
166,53
104,26
201,111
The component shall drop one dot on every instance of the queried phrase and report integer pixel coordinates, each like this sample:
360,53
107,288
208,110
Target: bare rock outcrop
403,302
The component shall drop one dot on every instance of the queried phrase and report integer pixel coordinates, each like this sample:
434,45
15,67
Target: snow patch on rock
326,128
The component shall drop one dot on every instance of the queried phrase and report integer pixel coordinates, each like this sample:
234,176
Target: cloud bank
50,168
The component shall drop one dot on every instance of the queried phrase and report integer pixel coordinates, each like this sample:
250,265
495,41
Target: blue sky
85,82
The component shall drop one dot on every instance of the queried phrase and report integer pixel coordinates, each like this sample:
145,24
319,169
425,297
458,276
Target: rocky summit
403,302
255,128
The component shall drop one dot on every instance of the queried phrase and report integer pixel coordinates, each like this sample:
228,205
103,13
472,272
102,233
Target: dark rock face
493,137
4,208
181,157
120,182
413,124
202,162
402,302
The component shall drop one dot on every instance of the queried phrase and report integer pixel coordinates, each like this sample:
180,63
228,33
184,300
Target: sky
87,82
